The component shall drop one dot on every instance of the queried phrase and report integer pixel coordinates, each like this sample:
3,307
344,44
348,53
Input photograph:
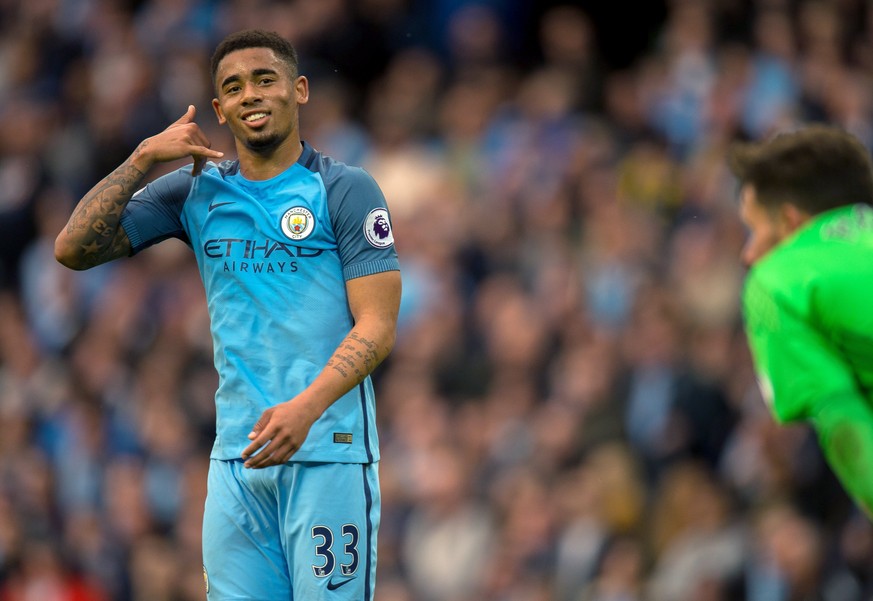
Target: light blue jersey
274,256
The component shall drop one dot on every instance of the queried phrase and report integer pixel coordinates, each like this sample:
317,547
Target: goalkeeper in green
806,199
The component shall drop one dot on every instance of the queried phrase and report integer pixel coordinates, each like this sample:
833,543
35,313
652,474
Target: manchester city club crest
377,228
297,223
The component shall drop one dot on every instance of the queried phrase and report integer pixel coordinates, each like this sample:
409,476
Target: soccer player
301,276
808,300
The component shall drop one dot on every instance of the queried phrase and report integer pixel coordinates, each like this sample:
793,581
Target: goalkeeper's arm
845,432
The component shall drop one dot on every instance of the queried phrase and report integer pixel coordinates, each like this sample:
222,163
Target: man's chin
262,143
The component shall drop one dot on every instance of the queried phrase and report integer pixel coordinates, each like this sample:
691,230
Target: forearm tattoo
356,358
94,222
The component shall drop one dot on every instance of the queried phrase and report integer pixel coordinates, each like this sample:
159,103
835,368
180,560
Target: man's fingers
261,458
273,452
248,454
186,130
262,422
260,435
188,117
197,137
257,443
268,457
201,155
257,461
272,441
199,162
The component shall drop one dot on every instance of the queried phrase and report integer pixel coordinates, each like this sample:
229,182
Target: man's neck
256,166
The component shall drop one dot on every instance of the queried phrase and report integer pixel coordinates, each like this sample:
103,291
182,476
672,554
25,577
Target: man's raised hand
181,139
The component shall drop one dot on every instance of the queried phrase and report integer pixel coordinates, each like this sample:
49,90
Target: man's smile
255,118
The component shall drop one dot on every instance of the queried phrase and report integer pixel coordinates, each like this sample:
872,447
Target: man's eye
266,81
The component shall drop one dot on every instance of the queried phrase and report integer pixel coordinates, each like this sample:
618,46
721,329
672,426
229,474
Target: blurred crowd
570,412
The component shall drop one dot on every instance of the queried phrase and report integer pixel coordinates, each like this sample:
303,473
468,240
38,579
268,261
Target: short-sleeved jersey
274,256
808,307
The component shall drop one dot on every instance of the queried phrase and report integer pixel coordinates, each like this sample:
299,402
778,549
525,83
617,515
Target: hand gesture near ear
181,139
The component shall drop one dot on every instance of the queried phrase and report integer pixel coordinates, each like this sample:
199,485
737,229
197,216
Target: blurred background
570,412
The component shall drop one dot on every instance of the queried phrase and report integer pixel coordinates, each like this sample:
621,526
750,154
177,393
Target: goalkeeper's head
794,175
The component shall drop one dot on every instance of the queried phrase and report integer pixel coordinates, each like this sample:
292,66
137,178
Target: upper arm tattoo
94,224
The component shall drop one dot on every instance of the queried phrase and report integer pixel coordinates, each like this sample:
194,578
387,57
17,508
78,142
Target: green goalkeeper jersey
808,309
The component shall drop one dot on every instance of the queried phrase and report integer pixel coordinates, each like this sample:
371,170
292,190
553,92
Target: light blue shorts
299,531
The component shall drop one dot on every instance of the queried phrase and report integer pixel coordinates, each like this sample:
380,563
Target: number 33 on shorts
348,560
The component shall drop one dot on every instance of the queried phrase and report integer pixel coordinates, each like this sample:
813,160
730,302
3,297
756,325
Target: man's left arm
374,301
804,377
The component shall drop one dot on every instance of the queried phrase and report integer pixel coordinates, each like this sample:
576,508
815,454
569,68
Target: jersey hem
362,459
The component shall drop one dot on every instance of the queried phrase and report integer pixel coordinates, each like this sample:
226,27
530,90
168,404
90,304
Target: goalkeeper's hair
816,168
256,38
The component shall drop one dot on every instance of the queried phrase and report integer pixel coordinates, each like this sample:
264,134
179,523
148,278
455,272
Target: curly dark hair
256,38
816,168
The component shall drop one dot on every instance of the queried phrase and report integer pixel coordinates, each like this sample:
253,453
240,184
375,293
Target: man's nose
749,254
251,93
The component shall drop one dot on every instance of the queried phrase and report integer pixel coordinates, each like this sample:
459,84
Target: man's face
258,98
766,229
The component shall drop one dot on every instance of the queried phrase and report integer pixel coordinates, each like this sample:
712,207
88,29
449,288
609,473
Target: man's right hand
181,139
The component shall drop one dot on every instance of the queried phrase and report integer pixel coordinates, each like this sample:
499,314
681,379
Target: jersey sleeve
362,224
798,369
154,213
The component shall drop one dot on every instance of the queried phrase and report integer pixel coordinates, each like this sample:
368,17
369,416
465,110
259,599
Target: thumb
188,117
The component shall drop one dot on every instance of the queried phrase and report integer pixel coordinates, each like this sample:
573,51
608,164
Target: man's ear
301,89
792,216
218,113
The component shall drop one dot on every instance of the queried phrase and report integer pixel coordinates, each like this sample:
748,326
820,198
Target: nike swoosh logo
215,205
332,586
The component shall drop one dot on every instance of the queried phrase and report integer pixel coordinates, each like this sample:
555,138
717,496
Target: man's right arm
93,235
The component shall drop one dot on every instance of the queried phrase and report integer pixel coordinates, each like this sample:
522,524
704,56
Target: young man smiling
808,302
297,259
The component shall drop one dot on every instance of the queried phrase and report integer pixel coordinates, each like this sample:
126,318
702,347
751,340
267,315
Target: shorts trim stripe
363,396
368,594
